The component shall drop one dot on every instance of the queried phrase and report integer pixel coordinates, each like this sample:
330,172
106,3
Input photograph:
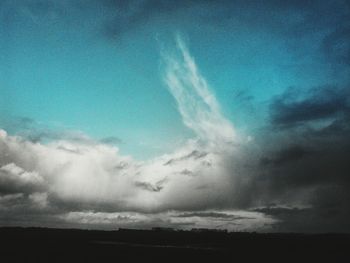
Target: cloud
308,219
293,177
290,154
149,187
256,220
224,216
194,154
68,172
323,102
303,170
14,179
197,105
33,131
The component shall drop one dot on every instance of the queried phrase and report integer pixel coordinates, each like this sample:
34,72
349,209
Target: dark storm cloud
290,154
319,184
310,156
281,211
307,161
329,215
323,102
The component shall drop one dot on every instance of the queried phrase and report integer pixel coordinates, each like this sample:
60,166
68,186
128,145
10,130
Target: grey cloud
28,209
306,164
298,169
195,155
308,220
324,102
289,154
121,166
187,172
219,215
281,211
151,187
14,179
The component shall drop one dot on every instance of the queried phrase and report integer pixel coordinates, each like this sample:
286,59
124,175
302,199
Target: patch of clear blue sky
58,68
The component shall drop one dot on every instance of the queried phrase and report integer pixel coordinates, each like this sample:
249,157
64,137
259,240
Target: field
125,245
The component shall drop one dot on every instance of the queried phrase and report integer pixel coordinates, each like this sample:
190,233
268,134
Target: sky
185,114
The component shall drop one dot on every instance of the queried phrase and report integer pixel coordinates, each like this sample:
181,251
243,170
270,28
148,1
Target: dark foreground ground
57,245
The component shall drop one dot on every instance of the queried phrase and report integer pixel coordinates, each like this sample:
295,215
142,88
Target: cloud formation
321,103
75,174
197,105
306,169
294,176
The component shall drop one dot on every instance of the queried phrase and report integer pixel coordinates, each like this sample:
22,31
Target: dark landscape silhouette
166,244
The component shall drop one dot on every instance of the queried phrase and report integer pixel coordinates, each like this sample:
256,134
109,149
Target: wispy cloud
196,102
